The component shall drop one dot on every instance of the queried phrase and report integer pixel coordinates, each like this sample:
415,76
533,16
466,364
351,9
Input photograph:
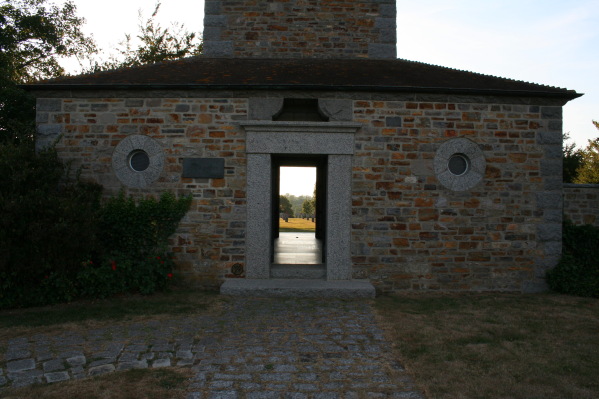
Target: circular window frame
466,164
468,150
132,162
126,149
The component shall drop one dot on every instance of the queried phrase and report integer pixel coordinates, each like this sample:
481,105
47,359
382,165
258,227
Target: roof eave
566,95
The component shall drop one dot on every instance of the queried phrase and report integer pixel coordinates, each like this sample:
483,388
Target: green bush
134,240
577,272
59,243
140,228
47,226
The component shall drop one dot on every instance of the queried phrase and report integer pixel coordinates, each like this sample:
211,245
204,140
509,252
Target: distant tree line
296,205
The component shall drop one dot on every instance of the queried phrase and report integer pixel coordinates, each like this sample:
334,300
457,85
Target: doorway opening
299,221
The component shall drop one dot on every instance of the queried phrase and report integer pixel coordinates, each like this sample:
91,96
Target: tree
572,160
33,37
308,207
588,172
156,44
285,205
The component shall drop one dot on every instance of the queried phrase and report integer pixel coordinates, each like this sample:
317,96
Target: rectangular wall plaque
204,168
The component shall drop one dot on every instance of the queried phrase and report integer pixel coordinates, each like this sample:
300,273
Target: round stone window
138,161
459,164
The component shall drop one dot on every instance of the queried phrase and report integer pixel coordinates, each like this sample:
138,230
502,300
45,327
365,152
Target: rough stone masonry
455,178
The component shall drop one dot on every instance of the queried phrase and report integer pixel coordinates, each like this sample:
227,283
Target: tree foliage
33,38
155,44
308,207
285,206
572,160
588,172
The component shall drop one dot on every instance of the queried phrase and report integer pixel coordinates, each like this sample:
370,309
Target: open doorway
298,210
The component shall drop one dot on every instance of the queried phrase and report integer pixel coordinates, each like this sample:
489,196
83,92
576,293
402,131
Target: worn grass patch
497,345
296,224
167,383
85,314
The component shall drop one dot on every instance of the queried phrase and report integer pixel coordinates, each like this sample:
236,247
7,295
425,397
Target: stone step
303,271
298,288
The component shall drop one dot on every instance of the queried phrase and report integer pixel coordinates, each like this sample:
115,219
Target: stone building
429,178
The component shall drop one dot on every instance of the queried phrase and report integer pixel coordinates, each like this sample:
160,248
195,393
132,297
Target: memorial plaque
204,168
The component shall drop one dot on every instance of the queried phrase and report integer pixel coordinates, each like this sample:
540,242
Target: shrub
577,272
140,228
134,240
47,226
58,242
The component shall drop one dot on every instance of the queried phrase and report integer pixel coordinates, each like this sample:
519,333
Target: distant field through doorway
296,242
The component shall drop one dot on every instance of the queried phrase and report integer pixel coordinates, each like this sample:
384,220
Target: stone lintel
264,137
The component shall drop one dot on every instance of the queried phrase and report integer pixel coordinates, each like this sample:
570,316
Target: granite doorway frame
265,139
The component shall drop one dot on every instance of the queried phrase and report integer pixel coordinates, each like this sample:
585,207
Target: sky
297,180
550,42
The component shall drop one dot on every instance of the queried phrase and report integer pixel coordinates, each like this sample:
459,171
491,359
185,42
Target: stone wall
581,203
497,231
298,28
411,232
212,235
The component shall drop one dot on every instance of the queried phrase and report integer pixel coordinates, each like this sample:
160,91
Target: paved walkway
254,348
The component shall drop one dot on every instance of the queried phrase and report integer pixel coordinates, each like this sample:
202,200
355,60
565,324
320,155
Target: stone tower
300,29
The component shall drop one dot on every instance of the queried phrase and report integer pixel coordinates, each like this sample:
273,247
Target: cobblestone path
253,348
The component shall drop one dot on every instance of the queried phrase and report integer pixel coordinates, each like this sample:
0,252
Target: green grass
296,225
119,308
497,345
164,383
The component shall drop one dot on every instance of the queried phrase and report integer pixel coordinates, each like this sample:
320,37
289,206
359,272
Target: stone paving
253,348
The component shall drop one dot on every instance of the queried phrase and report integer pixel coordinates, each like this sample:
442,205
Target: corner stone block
556,126
554,137
549,200
48,105
549,232
218,48
388,10
385,23
215,20
212,33
551,167
212,8
49,130
382,51
551,112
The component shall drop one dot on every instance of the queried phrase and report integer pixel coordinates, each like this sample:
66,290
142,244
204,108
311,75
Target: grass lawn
497,345
164,383
455,345
91,314
296,224
168,383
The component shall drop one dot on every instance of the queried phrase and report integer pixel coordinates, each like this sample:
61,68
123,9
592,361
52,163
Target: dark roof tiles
339,74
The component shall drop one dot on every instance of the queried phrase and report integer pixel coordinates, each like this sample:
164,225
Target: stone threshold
298,271
298,288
